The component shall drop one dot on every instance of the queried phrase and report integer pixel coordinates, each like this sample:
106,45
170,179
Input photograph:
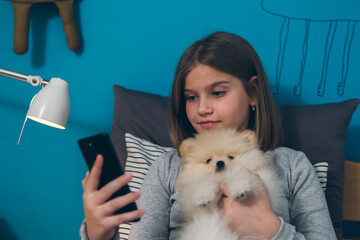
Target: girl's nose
204,107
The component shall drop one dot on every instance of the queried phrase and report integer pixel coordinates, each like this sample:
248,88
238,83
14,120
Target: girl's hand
252,216
100,221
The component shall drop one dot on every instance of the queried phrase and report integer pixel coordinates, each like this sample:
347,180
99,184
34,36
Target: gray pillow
141,114
317,130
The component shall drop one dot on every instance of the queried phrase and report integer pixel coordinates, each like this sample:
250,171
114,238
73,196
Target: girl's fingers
117,203
251,172
224,189
110,188
93,180
84,181
116,220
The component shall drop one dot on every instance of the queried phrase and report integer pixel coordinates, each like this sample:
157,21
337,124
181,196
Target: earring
253,108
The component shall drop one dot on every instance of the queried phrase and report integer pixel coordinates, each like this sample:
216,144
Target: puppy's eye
209,160
231,157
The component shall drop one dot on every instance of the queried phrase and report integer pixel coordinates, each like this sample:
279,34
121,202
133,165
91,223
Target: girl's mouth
208,124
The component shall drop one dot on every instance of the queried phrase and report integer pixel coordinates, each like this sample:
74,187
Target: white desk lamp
51,105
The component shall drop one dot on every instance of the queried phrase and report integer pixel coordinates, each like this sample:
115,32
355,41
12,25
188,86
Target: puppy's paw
242,185
240,196
239,192
204,199
204,204
207,195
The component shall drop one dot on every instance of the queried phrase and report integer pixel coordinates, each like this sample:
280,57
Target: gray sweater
307,215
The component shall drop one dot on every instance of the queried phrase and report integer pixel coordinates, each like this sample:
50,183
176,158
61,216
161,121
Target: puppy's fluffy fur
215,157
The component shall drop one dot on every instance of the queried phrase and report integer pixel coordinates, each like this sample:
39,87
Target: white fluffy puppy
210,159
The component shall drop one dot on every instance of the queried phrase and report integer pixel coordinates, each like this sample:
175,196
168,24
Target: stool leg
21,27
66,10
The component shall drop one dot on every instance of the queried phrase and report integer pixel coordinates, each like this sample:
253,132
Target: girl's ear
254,87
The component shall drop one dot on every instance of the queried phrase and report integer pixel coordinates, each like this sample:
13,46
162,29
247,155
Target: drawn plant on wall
329,12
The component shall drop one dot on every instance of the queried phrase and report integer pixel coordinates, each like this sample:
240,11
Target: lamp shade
51,106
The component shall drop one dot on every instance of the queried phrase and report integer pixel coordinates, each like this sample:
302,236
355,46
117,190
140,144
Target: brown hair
232,54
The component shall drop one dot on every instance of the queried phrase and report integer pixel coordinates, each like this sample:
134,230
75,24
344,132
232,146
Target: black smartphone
90,147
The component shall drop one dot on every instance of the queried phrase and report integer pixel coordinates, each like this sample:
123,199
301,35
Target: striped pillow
140,155
321,169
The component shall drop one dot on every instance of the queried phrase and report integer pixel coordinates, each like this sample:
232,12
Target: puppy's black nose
220,165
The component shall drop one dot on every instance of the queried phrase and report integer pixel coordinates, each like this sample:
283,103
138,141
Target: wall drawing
330,12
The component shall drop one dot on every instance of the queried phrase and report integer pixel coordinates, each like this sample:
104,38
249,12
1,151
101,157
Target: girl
219,82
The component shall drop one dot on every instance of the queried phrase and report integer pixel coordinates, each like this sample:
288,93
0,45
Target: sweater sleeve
157,199
84,236
82,231
309,215
157,194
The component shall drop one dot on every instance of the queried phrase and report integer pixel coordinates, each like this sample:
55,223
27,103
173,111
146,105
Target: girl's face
216,99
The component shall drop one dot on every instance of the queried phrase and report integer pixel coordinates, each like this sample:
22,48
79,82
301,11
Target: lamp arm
33,80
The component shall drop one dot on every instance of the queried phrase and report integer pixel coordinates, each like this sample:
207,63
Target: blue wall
137,44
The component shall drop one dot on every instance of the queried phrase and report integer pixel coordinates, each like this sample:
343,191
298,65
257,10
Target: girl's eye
231,157
209,160
218,93
190,98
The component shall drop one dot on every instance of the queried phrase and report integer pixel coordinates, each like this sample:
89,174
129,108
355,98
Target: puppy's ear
186,147
249,137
